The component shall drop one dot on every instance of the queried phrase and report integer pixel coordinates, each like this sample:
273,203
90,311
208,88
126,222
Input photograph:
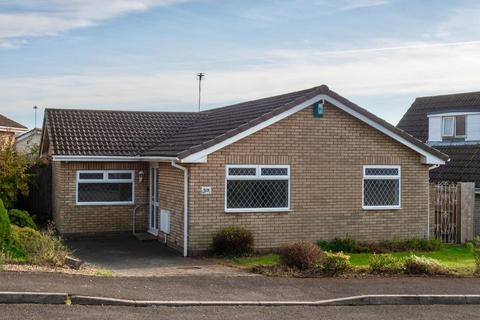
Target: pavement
127,256
228,288
436,312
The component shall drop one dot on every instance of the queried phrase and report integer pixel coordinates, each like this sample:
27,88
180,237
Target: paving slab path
219,287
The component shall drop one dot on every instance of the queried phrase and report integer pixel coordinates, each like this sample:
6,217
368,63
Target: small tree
13,175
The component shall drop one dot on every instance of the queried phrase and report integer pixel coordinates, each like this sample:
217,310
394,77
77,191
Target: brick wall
170,197
7,138
326,157
72,219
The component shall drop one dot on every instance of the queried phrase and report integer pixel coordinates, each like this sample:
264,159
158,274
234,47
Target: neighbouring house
28,142
9,129
451,124
302,165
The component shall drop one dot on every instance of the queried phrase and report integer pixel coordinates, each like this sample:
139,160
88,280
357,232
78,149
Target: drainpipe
185,206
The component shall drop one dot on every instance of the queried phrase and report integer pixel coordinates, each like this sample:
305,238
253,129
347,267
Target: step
145,236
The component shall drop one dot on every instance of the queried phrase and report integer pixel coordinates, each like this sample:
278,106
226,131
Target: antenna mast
35,108
200,77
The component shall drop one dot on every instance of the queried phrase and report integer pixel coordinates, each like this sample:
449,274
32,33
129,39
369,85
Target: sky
145,54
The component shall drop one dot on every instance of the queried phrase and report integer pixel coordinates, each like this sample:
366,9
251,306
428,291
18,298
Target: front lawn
455,257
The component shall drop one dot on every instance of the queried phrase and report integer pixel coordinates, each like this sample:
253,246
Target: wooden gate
447,212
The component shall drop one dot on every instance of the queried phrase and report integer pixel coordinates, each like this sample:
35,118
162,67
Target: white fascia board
451,114
11,129
427,158
110,158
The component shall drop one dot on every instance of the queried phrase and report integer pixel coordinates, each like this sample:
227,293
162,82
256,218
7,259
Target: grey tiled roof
111,133
6,122
464,164
415,120
122,133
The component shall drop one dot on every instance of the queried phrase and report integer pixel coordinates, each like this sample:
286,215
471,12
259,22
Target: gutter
111,158
185,206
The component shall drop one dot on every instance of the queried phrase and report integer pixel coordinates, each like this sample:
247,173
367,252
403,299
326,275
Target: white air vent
165,221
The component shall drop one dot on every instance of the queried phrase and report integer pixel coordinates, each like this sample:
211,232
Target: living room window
105,187
381,187
257,188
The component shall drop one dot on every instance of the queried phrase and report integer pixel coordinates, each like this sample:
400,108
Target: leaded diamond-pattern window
105,187
381,187
257,188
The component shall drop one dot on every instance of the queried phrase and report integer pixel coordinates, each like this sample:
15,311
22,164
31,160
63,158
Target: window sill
381,208
105,204
258,211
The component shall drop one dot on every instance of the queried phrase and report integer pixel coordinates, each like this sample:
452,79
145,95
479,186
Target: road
437,312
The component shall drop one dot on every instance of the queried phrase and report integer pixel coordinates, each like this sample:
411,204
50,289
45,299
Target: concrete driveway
129,257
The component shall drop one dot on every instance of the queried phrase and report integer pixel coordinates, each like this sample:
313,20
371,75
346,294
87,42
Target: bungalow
302,165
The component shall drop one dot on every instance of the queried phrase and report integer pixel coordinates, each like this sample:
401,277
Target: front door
153,216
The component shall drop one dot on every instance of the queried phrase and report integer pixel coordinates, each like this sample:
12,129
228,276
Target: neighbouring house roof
464,164
33,132
179,135
10,125
415,120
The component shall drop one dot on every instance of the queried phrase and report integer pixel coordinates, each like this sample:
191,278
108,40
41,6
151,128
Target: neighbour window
105,187
381,187
453,126
448,126
257,188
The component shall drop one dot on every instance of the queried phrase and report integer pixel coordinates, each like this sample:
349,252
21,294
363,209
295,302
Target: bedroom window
257,188
453,126
381,187
105,187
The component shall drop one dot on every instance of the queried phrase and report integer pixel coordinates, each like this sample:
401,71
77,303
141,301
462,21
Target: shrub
385,263
476,257
412,245
233,242
324,244
350,245
335,263
21,218
13,175
4,224
343,245
42,248
423,265
302,255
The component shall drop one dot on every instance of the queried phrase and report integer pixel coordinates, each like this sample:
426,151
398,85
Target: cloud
28,18
408,69
358,4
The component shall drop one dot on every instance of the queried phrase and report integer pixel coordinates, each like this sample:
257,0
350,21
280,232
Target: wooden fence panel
39,199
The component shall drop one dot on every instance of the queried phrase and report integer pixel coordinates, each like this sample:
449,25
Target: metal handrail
134,214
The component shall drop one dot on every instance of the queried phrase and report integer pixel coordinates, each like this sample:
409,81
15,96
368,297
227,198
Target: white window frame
105,179
257,176
375,177
452,134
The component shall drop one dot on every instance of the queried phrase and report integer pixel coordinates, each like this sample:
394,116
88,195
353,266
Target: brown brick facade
170,197
326,156
7,138
72,219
